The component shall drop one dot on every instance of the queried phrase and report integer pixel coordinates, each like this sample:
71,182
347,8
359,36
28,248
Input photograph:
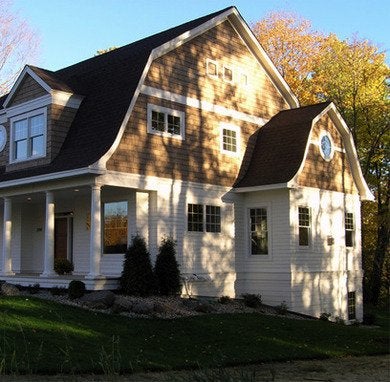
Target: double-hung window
202,218
28,136
258,231
304,226
165,121
349,229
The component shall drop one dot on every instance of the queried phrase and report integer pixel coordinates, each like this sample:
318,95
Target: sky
73,30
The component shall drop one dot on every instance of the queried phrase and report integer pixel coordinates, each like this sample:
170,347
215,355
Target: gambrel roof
109,85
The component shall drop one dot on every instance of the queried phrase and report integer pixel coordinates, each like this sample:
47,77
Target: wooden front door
62,237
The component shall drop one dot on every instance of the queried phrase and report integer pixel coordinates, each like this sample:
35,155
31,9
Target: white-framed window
28,136
258,230
115,227
228,74
165,121
243,79
202,218
230,139
212,68
304,223
349,229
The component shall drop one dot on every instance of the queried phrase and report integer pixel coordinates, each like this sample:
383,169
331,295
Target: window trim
215,62
19,117
309,227
103,225
204,218
237,130
167,111
228,67
268,208
353,230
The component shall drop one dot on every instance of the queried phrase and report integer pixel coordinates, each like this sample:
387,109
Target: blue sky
73,30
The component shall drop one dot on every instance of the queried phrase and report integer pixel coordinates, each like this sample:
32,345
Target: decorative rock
143,307
122,304
9,290
102,299
162,308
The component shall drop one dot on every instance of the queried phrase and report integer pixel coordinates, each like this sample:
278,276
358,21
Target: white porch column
6,263
95,248
48,266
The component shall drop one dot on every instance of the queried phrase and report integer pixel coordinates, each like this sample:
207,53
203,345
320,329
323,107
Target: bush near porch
39,336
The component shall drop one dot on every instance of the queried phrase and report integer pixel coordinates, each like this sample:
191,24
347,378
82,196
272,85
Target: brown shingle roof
276,150
108,83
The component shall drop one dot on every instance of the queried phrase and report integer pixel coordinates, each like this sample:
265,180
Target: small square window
227,74
229,139
212,68
243,79
195,217
213,219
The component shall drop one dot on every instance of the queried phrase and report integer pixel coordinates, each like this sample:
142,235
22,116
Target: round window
326,146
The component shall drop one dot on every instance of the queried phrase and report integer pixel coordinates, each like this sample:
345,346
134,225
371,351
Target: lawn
38,336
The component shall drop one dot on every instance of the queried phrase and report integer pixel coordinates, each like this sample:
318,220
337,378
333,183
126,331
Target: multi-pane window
164,121
212,68
204,218
229,139
258,231
115,227
28,137
351,305
195,217
213,219
304,225
349,229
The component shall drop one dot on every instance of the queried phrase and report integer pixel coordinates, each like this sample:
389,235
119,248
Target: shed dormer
36,116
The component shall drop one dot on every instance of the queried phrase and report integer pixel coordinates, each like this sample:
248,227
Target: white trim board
202,105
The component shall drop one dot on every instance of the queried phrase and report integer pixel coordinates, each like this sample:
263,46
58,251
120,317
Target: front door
63,237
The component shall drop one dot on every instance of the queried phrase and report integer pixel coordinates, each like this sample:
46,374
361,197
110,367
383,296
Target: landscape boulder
143,307
122,304
102,299
9,290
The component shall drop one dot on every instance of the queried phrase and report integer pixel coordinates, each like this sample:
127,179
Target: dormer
35,119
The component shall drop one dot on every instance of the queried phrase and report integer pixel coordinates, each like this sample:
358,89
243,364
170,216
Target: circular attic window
326,146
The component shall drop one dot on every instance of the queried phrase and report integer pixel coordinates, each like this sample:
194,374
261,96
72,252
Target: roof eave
264,187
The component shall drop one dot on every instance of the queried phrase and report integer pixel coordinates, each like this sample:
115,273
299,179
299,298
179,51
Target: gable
27,90
334,174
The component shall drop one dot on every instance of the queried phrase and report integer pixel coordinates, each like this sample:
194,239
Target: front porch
88,224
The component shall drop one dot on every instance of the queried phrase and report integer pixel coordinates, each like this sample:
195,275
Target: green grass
38,336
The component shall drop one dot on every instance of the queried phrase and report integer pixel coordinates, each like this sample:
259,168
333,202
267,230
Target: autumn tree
354,75
18,45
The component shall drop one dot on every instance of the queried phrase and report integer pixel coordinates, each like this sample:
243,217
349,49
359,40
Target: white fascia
265,187
53,176
337,119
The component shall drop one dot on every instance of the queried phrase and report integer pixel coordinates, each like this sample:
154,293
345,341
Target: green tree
102,51
354,75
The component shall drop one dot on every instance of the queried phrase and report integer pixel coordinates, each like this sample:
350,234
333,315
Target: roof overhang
265,187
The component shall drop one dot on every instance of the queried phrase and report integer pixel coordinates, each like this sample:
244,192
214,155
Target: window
349,229
351,305
258,231
227,74
304,226
196,216
212,68
213,219
229,139
243,79
164,121
28,133
115,227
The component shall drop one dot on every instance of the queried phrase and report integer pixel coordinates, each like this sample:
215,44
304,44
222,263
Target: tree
102,51
166,269
18,45
354,75
137,277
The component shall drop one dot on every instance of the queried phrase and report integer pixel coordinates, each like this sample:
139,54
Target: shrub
224,300
34,289
137,278
166,269
369,319
252,300
58,291
76,289
282,308
63,266
325,316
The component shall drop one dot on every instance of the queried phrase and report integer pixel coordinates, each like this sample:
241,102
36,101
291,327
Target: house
192,133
